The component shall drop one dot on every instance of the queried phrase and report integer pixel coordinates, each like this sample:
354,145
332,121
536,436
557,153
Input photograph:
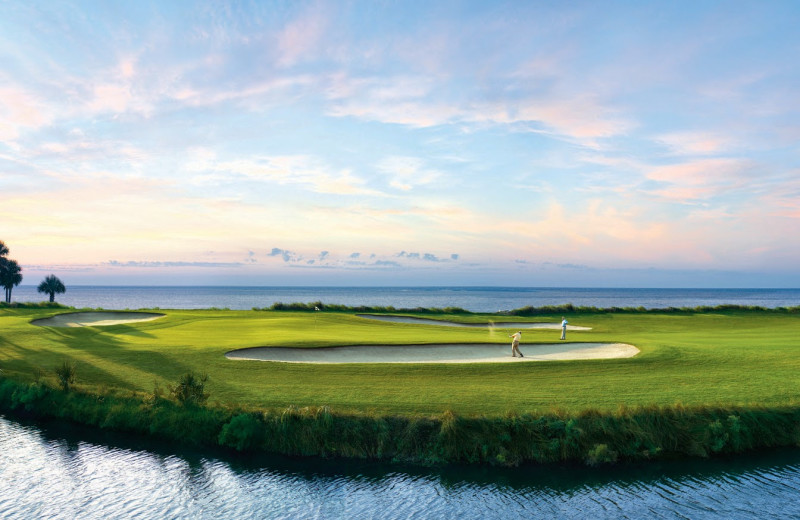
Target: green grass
725,358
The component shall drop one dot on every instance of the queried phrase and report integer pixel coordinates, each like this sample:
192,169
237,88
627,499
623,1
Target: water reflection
58,471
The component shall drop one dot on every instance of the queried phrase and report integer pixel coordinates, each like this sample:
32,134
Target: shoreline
482,299
592,438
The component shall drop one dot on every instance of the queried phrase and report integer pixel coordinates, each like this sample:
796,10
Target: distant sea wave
475,299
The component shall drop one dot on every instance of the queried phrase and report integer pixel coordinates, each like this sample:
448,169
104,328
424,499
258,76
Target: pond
62,471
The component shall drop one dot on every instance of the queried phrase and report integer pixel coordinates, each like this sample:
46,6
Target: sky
530,143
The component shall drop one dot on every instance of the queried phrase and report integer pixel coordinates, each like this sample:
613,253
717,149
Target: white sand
95,319
518,325
446,353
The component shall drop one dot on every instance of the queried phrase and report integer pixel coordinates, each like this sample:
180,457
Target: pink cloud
20,110
413,101
111,97
700,179
695,143
302,37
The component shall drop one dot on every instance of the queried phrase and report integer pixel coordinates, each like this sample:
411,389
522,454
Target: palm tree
10,275
51,285
3,248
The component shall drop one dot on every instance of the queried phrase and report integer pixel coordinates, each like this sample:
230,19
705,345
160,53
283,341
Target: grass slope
725,358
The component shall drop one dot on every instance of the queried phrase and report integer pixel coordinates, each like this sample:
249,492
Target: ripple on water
55,478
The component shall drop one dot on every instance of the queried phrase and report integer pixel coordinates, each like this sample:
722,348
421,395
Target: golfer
515,344
564,327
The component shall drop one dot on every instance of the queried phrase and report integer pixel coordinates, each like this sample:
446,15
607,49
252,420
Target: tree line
11,276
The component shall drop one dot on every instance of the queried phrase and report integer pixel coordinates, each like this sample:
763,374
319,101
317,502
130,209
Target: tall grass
572,309
66,374
30,305
332,307
591,437
567,308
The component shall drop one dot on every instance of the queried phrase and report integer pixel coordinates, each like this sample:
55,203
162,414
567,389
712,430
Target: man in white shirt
515,344
564,327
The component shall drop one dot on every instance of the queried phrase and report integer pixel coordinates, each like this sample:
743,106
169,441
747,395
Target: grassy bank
727,367
589,437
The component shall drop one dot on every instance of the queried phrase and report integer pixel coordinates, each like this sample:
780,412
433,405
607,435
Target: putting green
521,325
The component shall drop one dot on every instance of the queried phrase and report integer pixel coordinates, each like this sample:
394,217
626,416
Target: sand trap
95,319
446,353
499,325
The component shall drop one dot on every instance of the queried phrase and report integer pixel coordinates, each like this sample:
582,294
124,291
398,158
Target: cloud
695,143
302,38
111,97
287,256
20,110
159,263
406,173
783,198
351,261
299,170
579,267
425,257
701,179
258,95
387,263
421,103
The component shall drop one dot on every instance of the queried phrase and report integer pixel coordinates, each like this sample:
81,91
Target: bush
66,375
243,432
601,454
190,389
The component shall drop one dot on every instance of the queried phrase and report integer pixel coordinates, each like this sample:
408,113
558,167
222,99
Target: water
63,472
476,299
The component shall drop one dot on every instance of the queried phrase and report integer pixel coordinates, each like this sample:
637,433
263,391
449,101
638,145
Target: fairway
727,358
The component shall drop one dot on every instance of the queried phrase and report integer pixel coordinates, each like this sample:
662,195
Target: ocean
475,299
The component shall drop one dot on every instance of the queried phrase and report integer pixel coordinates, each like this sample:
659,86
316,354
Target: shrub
190,389
601,454
66,375
243,432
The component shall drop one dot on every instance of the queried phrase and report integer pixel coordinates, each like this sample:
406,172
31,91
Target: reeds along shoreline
589,437
527,311
523,311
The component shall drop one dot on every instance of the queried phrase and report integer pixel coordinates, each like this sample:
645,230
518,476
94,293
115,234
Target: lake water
476,299
65,472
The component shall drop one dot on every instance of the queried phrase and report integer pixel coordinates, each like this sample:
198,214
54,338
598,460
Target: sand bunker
498,325
446,353
95,319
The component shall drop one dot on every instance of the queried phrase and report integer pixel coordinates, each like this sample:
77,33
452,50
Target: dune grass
724,358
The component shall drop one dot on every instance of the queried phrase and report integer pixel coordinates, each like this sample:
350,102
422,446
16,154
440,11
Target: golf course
725,362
